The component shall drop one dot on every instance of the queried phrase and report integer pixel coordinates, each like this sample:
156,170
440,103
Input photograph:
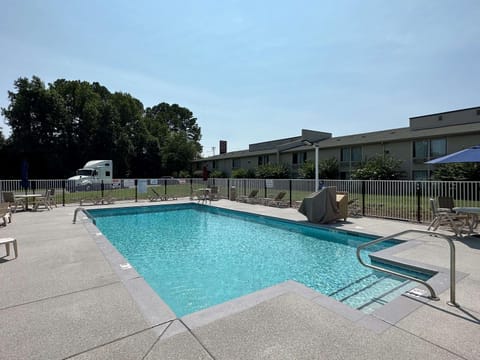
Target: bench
7,242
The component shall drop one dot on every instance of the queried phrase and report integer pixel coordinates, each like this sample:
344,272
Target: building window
235,163
214,164
438,147
420,175
299,158
263,160
420,149
356,154
351,154
424,149
345,154
344,175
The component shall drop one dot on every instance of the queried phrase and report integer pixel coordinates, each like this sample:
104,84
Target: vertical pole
136,190
265,187
363,197
165,185
419,195
228,188
102,188
191,188
63,192
290,188
316,167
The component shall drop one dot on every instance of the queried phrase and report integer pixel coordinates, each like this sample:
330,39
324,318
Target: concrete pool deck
63,298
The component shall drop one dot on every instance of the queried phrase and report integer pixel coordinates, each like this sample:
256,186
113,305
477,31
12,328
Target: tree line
59,127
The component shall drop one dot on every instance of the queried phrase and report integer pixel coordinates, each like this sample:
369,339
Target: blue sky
253,71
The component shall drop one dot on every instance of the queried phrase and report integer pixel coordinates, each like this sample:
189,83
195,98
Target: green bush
327,169
217,174
272,171
379,167
243,173
184,174
457,172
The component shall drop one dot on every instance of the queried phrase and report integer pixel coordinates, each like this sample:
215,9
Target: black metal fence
394,199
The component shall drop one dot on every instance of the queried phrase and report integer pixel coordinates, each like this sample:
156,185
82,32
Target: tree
59,127
457,172
327,169
35,115
379,168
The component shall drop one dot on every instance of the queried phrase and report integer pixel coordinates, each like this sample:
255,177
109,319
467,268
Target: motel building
427,137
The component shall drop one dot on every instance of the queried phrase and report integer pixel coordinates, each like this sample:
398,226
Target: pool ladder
76,212
433,295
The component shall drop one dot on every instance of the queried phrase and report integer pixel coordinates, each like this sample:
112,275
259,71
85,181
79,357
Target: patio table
472,216
26,197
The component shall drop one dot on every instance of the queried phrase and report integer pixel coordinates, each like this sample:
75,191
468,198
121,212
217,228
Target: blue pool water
197,256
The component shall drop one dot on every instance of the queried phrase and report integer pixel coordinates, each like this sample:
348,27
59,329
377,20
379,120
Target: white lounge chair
9,197
445,218
43,201
250,198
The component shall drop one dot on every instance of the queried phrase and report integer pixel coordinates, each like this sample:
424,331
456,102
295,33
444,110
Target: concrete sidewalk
63,298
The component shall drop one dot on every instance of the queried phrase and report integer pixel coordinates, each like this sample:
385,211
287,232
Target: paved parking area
63,298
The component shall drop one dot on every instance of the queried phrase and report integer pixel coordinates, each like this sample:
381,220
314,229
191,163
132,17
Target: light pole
309,143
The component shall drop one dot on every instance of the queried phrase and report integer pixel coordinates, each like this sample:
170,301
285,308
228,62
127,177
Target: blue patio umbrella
470,155
24,181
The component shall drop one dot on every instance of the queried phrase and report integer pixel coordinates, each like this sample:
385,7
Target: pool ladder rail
433,295
77,210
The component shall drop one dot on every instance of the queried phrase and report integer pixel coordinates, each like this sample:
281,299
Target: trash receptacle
233,193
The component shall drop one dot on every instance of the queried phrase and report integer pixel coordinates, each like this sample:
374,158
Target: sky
253,71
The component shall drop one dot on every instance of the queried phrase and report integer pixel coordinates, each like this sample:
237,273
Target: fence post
290,189
165,185
136,190
102,188
191,188
419,195
265,187
63,192
228,189
363,197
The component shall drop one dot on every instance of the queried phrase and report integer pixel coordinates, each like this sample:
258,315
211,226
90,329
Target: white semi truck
91,176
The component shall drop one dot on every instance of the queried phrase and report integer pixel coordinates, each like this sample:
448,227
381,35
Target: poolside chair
446,203
52,199
445,218
156,196
5,213
277,200
213,193
42,201
9,198
250,198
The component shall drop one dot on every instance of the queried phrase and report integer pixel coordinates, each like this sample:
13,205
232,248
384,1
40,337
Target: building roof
325,140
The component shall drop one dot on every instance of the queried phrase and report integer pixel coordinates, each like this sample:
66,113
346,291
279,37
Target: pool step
372,291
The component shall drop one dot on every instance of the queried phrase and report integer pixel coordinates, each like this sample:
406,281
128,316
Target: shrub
327,169
379,168
217,174
243,173
273,171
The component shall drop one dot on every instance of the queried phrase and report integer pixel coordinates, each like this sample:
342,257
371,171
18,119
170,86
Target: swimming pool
197,256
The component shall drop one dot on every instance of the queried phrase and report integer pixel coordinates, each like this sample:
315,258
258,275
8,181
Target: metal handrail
433,295
76,212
